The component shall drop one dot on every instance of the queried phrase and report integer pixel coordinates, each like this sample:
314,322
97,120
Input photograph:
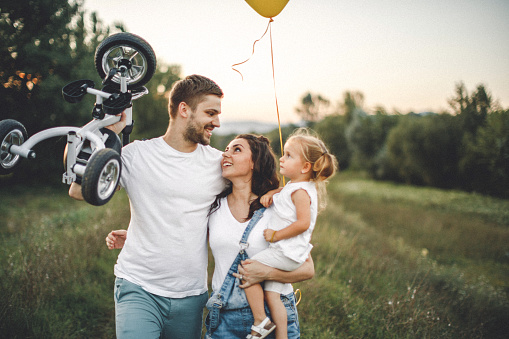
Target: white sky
402,55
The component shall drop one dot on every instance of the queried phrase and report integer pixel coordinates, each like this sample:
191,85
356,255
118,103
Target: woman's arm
254,272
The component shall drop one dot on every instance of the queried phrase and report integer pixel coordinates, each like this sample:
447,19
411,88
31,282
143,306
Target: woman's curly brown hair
265,176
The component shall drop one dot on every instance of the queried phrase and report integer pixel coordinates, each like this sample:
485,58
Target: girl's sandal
263,329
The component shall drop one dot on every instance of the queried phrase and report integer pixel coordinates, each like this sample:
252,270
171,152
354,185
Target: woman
249,165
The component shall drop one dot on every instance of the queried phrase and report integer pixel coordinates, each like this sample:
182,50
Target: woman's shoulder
222,203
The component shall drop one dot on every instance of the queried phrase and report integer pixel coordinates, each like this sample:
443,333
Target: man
171,181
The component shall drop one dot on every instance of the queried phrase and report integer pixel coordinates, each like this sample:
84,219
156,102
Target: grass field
391,261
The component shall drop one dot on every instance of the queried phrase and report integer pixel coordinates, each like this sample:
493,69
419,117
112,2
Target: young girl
308,164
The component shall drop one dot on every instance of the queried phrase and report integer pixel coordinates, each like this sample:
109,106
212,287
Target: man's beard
195,133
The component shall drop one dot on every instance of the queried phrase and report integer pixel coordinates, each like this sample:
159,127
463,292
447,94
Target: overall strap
258,214
221,297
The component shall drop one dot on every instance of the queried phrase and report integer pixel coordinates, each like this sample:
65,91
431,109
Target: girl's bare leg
255,297
277,313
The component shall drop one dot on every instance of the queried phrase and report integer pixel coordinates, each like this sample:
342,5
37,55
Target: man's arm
75,191
254,272
116,239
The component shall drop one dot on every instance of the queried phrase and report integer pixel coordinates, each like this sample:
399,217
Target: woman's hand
116,239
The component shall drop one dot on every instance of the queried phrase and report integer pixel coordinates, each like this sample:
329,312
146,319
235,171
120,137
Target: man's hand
118,126
116,239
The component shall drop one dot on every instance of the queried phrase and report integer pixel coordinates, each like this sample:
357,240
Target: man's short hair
192,90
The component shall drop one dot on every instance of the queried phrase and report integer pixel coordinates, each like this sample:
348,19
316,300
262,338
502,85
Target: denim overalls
229,313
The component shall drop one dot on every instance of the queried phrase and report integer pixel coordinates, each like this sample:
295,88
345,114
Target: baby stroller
125,62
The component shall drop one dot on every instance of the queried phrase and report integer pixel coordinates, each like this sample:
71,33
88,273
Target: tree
35,47
332,131
151,111
45,45
352,104
35,63
485,165
313,107
425,150
472,110
366,135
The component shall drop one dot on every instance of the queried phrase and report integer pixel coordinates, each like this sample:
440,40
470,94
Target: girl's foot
261,330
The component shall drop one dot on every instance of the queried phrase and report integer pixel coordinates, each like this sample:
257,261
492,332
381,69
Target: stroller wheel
101,177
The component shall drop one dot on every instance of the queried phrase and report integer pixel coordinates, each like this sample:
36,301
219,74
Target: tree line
48,43
465,148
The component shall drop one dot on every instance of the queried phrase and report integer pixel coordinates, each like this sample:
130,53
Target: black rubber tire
101,177
11,132
146,57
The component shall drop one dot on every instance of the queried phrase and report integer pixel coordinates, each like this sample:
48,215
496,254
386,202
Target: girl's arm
254,272
266,199
302,203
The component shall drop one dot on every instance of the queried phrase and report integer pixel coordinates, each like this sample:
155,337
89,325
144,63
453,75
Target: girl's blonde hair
323,164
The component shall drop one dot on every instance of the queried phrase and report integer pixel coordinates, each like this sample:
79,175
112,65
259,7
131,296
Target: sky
402,55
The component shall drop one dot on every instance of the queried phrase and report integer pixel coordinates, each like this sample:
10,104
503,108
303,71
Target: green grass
406,262
392,261
57,274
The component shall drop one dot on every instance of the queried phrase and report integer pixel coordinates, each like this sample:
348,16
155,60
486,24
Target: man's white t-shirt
170,194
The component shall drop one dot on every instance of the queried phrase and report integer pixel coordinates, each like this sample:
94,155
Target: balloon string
240,63
275,94
269,28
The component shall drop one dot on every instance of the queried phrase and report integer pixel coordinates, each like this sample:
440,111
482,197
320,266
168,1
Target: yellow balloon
267,8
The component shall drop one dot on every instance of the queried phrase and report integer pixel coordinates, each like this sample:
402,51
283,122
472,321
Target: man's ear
183,109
